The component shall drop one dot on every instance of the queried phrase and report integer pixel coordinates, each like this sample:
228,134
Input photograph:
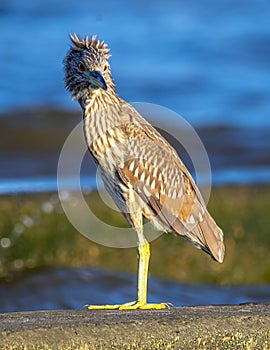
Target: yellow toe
103,307
133,305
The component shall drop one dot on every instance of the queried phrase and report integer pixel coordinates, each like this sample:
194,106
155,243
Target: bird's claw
133,305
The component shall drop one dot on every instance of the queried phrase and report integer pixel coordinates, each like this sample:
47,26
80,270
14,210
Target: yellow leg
141,303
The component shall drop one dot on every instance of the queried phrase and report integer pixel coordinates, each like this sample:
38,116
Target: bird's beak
97,79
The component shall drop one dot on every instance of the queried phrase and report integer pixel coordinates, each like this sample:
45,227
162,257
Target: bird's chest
105,141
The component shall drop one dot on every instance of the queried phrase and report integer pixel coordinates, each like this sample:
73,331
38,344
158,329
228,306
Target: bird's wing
155,172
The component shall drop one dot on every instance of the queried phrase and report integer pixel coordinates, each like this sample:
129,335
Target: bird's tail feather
209,237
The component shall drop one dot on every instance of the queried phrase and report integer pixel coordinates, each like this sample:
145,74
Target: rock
245,326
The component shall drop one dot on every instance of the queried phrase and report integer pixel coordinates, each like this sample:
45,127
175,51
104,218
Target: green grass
35,233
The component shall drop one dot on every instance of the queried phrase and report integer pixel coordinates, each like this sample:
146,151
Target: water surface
208,61
63,288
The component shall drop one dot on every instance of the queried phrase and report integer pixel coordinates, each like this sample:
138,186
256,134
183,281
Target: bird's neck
101,113
99,100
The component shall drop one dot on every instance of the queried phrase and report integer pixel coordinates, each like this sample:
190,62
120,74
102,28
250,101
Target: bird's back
143,172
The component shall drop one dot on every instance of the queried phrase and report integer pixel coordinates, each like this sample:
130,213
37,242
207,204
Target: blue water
88,183
208,61
74,288
43,184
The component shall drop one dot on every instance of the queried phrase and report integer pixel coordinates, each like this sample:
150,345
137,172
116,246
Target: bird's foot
133,305
144,306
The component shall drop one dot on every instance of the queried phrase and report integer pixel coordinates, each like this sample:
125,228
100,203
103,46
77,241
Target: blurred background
208,61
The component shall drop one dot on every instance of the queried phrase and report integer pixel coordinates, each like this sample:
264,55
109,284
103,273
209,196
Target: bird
142,172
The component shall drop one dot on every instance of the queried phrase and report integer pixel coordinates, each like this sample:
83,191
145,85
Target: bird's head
86,67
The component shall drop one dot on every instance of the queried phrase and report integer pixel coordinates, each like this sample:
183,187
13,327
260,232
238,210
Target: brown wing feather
173,201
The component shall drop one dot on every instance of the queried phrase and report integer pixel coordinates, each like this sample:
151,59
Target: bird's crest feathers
86,43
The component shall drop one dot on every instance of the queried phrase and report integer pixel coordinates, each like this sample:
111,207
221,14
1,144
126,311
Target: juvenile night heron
140,169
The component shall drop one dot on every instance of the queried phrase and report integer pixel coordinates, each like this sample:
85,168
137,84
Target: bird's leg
143,264
143,261
141,303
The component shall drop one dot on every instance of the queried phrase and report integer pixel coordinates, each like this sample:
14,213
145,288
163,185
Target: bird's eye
81,66
105,68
